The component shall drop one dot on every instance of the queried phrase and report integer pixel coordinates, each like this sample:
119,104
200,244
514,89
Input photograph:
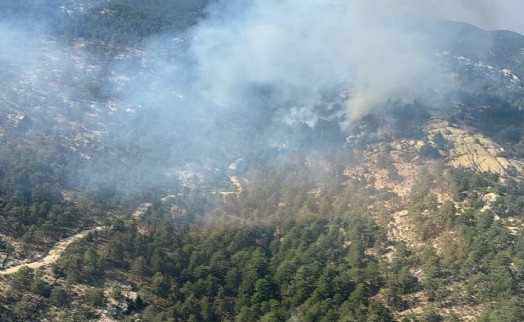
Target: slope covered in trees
124,22
317,225
302,242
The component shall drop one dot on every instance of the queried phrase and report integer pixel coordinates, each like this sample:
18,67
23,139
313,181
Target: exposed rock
473,150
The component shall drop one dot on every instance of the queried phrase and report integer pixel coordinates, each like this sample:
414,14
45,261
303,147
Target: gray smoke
300,50
304,49
260,63
294,52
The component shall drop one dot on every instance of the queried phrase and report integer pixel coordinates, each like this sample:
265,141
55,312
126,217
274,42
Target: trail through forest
53,255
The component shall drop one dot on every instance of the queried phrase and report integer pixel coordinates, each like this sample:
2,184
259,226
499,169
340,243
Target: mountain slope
268,209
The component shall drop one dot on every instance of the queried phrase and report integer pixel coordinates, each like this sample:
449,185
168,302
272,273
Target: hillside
157,164
410,232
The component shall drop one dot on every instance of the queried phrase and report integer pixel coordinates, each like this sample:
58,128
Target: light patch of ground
126,293
106,318
407,169
236,183
488,199
233,166
514,230
17,247
53,255
379,177
141,210
470,150
514,225
238,186
473,150
401,229
466,313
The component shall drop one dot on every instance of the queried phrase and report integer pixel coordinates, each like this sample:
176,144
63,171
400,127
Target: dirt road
53,255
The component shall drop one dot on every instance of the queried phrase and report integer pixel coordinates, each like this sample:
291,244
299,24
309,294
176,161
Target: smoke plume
249,72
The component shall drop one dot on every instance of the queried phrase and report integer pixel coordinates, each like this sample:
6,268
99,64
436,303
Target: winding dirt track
53,255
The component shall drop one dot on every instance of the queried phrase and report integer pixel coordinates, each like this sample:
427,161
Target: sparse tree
26,308
60,296
95,297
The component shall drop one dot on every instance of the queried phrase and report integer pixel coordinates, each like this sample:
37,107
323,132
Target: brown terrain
471,150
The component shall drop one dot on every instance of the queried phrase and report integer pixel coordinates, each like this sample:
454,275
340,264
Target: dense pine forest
168,209
278,251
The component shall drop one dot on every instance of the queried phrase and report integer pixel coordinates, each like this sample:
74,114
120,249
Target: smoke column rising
290,56
303,49
276,62
378,50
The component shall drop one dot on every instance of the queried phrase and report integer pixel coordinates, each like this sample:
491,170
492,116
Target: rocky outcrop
474,151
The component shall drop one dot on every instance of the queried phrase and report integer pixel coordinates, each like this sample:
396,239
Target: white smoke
299,50
304,47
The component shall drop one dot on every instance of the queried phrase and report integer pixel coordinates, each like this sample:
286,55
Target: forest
122,22
235,217
276,251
